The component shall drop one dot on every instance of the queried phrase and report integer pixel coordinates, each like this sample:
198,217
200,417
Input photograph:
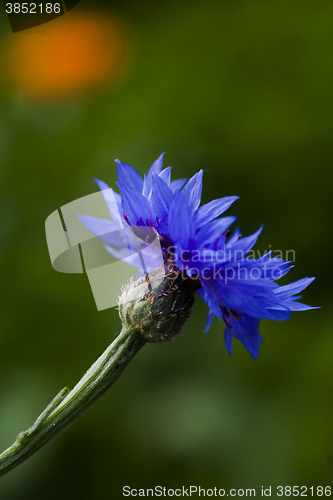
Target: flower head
239,289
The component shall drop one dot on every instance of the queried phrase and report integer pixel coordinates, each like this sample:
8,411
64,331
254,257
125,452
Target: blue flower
239,289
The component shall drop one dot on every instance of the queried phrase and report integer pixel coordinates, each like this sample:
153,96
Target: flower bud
158,303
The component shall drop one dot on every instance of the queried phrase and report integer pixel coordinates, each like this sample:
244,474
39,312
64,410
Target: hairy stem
68,405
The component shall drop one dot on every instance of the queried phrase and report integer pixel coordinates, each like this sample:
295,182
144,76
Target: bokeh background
243,90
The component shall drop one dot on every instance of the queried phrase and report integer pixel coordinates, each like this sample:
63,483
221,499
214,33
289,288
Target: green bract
158,303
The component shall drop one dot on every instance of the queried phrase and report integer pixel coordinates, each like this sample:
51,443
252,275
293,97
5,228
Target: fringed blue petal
113,202
286,291
165,175
135,205
105,230
177,184
242,246
213,209
161,197
228,340
129,176
211,231
181,225
154,169
192,191
246,330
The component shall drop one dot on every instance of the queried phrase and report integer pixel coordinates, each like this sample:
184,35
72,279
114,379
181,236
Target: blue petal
135,206
192,191
101,184
268,268
149,256
125,254
286,295
286,291
145,191
234,237
181,225
213,209
253,286
228,339
105,230
161,196
209,321
247,331
129,176
113,202
279,314
211,231
266,255
298,306
283,272
210,296
177,184
271,301
165,175
244,245
210,315
234,297
154,169
219,245
157,165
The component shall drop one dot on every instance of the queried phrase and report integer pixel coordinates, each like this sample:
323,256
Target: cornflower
196,241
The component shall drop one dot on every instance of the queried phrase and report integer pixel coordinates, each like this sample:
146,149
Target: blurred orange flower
77,52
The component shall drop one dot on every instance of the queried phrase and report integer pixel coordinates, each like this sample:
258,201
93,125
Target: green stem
68,405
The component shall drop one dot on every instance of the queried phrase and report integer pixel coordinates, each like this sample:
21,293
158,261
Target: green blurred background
244,91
